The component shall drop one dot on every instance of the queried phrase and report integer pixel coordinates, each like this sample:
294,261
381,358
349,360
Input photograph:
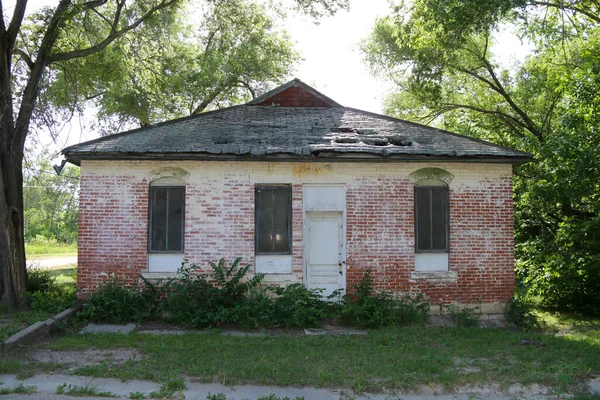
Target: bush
520,312
297,306
464,317
258,311
39,280
116,302
293,306
377,310
195,300
45,295
52,301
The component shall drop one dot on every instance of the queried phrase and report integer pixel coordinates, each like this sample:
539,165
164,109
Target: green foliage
86,390
43,246
197,300
463,317
377,310
47,296
116,301
19,389
219,396
169,388
177,65
297,306
520,311
227,295
39,280
50,201
442,54
292,306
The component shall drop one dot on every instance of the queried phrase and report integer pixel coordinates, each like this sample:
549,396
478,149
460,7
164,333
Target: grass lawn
397,359
50,250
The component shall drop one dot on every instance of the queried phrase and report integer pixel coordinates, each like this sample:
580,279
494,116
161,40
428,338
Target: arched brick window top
168,181
431,177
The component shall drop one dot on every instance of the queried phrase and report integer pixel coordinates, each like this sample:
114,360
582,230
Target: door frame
341,209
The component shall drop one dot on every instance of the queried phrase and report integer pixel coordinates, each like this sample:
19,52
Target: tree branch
32,88
98,13
561,6
114,34
25,57
15,23
2,26
249,88
207,101
531,127
547,117
508,119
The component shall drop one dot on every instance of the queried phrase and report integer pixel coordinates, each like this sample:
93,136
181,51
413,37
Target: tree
440,54
31,53
50,200
231,51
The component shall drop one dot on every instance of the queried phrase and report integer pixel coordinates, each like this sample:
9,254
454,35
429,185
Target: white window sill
434,276
155,276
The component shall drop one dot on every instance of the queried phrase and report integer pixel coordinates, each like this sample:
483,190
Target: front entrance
325,253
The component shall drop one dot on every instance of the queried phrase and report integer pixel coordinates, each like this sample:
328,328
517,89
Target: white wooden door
325,251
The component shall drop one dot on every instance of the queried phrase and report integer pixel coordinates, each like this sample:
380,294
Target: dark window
166,218
431,218
273,220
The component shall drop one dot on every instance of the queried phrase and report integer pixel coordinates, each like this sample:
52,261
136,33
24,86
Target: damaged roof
256,131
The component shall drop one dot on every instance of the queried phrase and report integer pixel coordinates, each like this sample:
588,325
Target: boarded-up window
273,219
167,218
431,218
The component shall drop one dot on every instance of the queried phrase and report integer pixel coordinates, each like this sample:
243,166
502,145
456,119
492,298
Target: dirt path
52,262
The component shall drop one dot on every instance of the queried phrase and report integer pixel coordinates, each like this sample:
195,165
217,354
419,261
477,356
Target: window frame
289,216
430,187
150,219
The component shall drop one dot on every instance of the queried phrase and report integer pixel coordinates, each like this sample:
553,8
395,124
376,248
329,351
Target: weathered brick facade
379,221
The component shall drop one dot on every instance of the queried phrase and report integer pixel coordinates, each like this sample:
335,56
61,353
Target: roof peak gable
294,93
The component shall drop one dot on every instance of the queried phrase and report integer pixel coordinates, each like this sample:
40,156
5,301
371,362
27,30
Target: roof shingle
285,133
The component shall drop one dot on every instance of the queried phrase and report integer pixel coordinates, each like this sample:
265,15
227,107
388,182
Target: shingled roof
278,126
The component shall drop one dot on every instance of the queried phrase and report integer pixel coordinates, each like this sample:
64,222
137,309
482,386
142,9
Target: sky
332,62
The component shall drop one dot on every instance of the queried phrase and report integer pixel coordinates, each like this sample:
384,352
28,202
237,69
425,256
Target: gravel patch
86,358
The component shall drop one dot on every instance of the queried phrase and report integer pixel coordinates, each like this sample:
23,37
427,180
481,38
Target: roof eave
76,158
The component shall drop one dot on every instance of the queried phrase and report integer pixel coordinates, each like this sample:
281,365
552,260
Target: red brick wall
381,237
295,97
379,224
113,230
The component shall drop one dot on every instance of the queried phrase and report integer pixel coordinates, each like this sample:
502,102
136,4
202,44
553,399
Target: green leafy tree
223,55
50,200
440,54
34,54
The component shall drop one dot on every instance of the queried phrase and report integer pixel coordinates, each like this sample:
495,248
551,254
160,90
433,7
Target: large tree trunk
13,273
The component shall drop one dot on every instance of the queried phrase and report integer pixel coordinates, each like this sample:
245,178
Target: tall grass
44,246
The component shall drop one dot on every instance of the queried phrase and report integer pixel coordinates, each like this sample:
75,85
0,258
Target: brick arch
430,175
167,181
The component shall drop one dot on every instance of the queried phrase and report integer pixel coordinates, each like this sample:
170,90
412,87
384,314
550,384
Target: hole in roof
221,140
345,129
366,131
346,140
397,140
376,141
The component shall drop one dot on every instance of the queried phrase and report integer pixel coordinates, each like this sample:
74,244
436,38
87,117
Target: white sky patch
332,59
